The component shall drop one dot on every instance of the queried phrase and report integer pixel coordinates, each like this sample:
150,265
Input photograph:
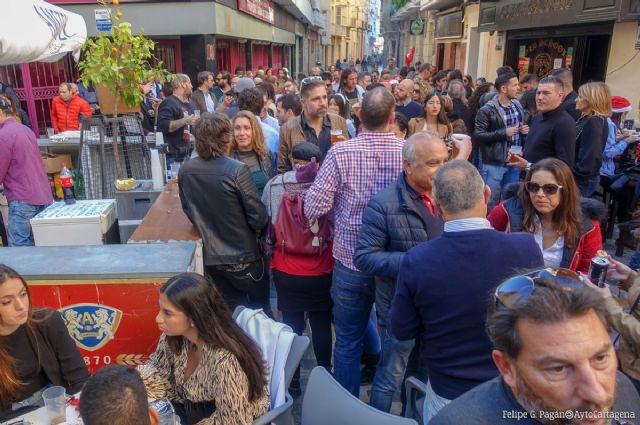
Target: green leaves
119,59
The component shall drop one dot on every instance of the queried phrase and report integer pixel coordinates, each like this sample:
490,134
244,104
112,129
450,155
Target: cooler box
82,223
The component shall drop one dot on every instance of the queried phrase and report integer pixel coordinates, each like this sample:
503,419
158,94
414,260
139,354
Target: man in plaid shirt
351,174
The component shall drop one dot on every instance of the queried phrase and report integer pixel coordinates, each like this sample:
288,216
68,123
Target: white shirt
552,256
211,107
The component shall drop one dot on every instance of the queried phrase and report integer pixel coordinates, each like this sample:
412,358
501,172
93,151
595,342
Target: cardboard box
53,163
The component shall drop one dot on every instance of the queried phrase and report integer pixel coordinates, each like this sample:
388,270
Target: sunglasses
518,289
416,90
547,189
308,80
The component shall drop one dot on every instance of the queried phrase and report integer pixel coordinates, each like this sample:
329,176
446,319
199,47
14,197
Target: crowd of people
441,227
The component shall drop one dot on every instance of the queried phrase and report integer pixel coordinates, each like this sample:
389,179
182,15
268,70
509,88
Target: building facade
347,32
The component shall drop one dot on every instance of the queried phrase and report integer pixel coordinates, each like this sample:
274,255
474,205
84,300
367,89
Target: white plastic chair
327,402
415,392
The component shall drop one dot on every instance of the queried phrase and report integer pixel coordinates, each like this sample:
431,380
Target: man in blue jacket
394,221
443,285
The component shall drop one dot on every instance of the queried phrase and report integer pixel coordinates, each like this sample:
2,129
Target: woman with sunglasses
626,324
548,205
36,350
467,80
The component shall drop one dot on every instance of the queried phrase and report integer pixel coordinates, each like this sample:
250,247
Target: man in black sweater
552,133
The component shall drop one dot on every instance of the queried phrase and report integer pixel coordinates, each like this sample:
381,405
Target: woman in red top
303,282
548,205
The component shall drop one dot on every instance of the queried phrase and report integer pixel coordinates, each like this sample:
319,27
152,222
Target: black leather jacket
491,132
221,200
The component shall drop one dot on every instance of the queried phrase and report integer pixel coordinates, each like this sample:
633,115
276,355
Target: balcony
318,19
408,11
301,9
438,4
338,30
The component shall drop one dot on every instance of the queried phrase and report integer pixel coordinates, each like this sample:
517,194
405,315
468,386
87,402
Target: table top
40,417
134,261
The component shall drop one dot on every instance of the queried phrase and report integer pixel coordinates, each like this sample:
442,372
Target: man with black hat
229,104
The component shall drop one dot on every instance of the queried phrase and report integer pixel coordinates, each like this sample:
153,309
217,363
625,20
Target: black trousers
249,287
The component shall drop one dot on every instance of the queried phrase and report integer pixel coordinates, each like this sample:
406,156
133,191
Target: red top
66,116
303,265
428,203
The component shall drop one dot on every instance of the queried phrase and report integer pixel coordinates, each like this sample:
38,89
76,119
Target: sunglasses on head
518,289
308,80
547,189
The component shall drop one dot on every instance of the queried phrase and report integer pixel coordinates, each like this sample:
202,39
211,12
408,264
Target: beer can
598,270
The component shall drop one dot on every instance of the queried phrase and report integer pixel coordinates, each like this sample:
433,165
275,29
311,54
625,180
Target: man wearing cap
313,125
616,144
229,104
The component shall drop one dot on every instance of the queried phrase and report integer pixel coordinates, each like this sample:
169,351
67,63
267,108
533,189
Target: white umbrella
33,30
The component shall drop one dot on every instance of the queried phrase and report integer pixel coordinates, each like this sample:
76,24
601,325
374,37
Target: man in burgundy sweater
22,173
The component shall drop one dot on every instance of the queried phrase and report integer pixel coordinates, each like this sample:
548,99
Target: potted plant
119,61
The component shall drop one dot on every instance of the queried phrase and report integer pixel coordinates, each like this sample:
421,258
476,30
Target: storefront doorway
583,49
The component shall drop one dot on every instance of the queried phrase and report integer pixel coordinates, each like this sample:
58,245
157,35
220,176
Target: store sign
449,26
533,7
261,9
103,20
416,27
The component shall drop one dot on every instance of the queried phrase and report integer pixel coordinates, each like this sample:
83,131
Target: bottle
52,184
66,180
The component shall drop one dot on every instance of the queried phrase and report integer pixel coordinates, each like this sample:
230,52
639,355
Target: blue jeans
353,294
497,177
391,369
589,186
372,343
20,213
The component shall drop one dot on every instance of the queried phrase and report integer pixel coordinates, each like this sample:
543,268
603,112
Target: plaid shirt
512,118
352,173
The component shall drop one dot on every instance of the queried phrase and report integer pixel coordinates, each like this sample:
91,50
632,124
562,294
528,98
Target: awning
33,31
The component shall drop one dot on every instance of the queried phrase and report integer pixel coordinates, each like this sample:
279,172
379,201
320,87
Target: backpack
292,232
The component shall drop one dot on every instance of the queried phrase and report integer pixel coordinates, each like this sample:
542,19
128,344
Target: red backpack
293,233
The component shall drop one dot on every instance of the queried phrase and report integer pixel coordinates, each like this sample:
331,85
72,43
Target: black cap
306,151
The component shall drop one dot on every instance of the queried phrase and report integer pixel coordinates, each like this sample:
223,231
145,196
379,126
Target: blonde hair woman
594,103
248,146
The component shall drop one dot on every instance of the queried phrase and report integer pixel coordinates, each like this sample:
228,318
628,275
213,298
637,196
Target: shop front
537,36
582,48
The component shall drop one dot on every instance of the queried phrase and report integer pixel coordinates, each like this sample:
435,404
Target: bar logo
91,326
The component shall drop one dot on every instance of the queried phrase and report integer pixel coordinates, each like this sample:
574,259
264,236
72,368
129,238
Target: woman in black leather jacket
221,200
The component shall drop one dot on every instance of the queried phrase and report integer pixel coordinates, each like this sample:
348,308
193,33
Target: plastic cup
196,112
336,136
514,150
56,404
50,132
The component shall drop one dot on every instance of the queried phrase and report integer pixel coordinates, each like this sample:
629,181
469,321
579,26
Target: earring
192,324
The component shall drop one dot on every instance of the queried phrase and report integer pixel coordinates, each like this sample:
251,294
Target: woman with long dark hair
214,370
36,350
548,206
433,117
339,105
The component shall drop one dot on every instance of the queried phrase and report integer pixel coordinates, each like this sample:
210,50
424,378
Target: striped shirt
352,173
466,224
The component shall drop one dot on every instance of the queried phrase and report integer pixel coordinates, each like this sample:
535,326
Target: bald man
404,101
